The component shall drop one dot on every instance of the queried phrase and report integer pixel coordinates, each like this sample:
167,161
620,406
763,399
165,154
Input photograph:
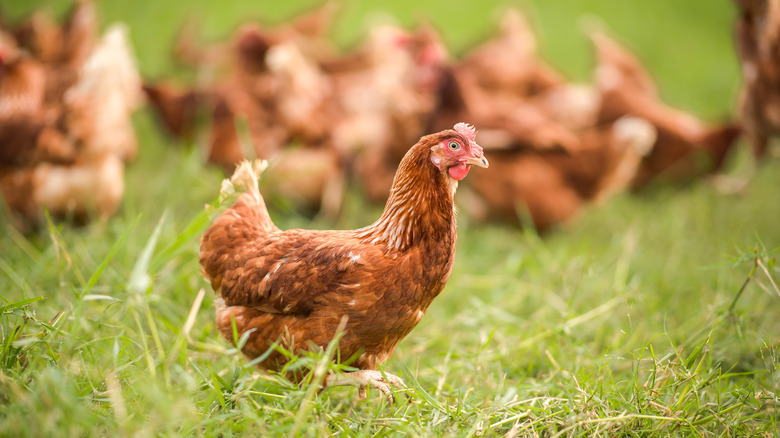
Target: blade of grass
93,279
140,279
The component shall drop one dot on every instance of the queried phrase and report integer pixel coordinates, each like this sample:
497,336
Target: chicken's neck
420,208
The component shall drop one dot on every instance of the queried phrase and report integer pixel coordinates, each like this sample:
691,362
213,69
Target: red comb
467,131
470,133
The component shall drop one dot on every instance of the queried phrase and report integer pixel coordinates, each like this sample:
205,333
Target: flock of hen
66,97
325,118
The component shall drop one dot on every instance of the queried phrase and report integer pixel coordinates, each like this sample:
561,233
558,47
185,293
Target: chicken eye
454,145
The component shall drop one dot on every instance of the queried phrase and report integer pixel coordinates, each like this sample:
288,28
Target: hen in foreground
295,286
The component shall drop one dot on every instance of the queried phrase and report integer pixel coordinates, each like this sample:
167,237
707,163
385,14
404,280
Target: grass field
654,315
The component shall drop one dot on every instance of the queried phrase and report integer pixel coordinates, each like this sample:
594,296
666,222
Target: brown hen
508,64
552,186
62,48
295,286
28,131
758,47
387,102
627,89
176,107
76,169
505,119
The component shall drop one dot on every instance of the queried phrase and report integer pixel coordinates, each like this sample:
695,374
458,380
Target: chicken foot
367,378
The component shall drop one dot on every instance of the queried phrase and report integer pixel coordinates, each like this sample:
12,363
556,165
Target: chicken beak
478,159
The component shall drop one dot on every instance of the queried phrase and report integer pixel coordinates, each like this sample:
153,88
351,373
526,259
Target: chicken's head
456,153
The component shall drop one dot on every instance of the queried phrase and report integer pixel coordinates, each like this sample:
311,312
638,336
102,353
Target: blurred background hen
66,96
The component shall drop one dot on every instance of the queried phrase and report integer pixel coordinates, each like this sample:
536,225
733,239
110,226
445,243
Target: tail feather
244,179
246,221
249,211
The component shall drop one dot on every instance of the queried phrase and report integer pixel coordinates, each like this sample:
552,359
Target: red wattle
458,171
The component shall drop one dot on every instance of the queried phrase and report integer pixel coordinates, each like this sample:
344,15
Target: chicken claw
367,378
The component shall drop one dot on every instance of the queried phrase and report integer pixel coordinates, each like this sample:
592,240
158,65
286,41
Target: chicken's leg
364,378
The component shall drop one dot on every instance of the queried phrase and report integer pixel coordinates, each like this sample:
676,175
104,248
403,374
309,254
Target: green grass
654,315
